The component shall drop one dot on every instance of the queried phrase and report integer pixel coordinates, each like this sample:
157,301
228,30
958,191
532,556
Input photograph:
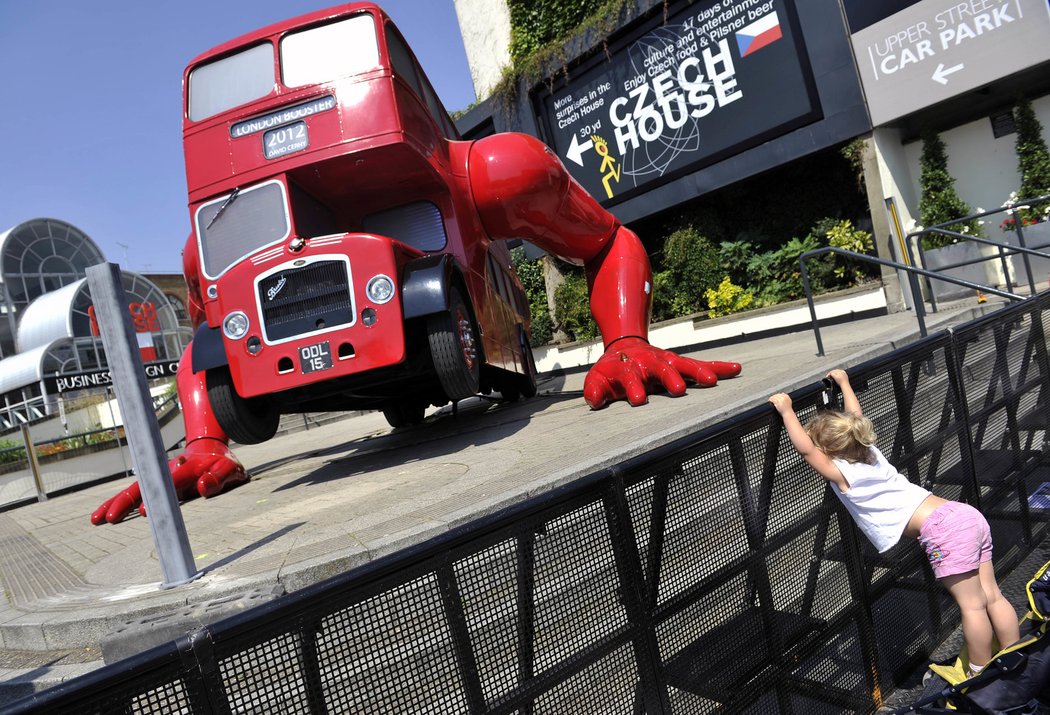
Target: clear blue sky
90,121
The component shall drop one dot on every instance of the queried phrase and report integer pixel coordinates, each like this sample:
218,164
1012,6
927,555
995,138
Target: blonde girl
840,446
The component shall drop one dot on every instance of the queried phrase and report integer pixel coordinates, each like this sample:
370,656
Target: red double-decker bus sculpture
347,248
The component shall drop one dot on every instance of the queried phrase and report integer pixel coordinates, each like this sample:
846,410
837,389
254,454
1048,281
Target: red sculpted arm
521,190
206,466
621,295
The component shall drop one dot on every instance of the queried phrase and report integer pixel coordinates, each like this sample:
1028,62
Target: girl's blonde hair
843,435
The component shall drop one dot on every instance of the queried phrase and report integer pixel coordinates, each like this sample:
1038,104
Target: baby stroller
1015,682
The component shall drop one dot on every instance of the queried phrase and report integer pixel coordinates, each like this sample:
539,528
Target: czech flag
763,31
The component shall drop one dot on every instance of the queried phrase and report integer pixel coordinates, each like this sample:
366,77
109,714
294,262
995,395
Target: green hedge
694,276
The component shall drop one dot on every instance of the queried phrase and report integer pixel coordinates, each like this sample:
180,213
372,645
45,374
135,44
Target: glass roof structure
47,323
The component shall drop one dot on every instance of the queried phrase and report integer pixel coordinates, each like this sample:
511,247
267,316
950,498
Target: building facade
686,98
49,337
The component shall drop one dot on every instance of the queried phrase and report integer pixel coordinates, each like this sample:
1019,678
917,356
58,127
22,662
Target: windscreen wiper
225,205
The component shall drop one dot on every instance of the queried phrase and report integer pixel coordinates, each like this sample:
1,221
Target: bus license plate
285,140
314,358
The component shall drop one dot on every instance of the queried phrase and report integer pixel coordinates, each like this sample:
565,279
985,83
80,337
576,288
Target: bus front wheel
455,349
245,421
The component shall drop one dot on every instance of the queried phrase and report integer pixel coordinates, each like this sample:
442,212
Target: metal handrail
1005,249
912,271
1012,210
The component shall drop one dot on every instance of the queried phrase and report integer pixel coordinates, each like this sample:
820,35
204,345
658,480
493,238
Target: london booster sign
713,80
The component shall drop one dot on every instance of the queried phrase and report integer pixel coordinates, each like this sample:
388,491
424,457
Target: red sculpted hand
205,468
632,368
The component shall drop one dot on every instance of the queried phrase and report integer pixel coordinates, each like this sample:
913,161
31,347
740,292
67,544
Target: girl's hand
781,402
839,376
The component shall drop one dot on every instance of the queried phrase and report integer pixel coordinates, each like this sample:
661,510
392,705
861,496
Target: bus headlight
235,325
380,289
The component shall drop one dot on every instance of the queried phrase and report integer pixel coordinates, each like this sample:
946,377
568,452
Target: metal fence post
116,430
971,491
148,455
812,307
859,591
1024,256
34,465
635,597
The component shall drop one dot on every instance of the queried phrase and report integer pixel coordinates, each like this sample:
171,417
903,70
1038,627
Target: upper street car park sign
938,49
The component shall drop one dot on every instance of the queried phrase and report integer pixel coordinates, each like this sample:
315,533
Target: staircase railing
913,273
1004,250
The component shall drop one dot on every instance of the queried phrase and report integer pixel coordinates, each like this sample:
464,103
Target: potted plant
1027,216
940,205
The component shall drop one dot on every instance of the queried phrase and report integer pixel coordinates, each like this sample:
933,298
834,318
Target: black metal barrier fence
716,574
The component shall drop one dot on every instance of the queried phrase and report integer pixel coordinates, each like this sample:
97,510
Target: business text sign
76,381
715,79
938,49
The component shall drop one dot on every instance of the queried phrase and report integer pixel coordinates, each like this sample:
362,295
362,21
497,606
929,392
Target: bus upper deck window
324,53
231,81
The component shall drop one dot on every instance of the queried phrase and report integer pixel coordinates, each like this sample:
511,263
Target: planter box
986,273
1037,237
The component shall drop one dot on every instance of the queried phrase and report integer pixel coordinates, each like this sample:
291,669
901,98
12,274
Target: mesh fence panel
609,685
717,574
392,652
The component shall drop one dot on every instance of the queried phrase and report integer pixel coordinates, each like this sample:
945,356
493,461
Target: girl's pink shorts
956,538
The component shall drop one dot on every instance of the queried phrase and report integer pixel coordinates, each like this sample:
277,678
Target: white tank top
880,499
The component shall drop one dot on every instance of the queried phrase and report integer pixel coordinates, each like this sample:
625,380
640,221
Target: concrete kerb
22,682
86,621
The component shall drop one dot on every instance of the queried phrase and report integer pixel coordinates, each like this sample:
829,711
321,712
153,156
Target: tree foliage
572,307
530,272
535,23
696,278
690,265
842,234
939,203
727,298
1033,158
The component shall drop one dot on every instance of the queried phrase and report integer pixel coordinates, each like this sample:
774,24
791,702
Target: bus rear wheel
455,349
403,413
513,386
245,421
528,379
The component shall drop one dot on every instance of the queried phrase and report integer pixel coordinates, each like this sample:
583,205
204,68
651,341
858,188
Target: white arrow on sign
941,74
576,149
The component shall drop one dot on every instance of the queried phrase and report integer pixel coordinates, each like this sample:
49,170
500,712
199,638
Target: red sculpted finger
229,470
696,370
221,473
725,369
209,485
119,507
657,364
633,385
672,381
184,474
99,515
596,390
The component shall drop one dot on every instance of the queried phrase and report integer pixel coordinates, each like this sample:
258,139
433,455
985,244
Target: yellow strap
1031,597
953,674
